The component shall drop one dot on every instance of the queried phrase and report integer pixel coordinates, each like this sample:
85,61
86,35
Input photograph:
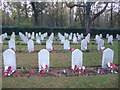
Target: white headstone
77,58
66,44
108,55
49,45
9,59
97,39
30,45
36,35
62,40
43,59
38,40
107,35
75,39
100,35
96,36
29,35
82,35
84,45
79,37
1,39
110,39
25,39
26,33
70,37
101,44
11,44
87,38
32,36
6,35
39,33
118,37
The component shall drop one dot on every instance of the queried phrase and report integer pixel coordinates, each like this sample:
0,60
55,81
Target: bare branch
97,14
77,5
39,11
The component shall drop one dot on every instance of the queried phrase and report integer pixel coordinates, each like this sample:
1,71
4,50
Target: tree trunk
111,19
35,15
70,16
88,21
88,26
41,18
36,19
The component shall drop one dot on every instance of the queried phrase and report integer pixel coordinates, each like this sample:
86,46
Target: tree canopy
61,14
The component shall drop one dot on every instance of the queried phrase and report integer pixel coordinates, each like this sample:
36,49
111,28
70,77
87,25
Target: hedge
17,29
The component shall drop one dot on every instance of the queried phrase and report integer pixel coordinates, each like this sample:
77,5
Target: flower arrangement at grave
111,67
8,71
43,68
50,49
81,69
75,67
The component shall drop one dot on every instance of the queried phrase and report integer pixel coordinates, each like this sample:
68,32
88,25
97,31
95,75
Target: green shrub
94,31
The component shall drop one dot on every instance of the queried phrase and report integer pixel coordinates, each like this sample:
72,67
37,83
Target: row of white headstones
9,58
40,36
84,42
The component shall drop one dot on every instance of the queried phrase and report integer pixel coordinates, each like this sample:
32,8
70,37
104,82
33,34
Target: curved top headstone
84,45
77,57
9,58
100,44
67,44
108,55
30,45
43,57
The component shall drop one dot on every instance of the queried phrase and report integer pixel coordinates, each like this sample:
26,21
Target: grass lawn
63,59
102,81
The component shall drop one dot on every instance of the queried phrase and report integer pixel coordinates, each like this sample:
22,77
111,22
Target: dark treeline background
61,14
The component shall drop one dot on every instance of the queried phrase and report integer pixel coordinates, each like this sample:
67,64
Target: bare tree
37,8
88,17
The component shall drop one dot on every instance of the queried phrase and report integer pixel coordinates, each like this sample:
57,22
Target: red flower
46,66
79,71
111,65
9,68
12,48
75,67
52,48
42,73
5,74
